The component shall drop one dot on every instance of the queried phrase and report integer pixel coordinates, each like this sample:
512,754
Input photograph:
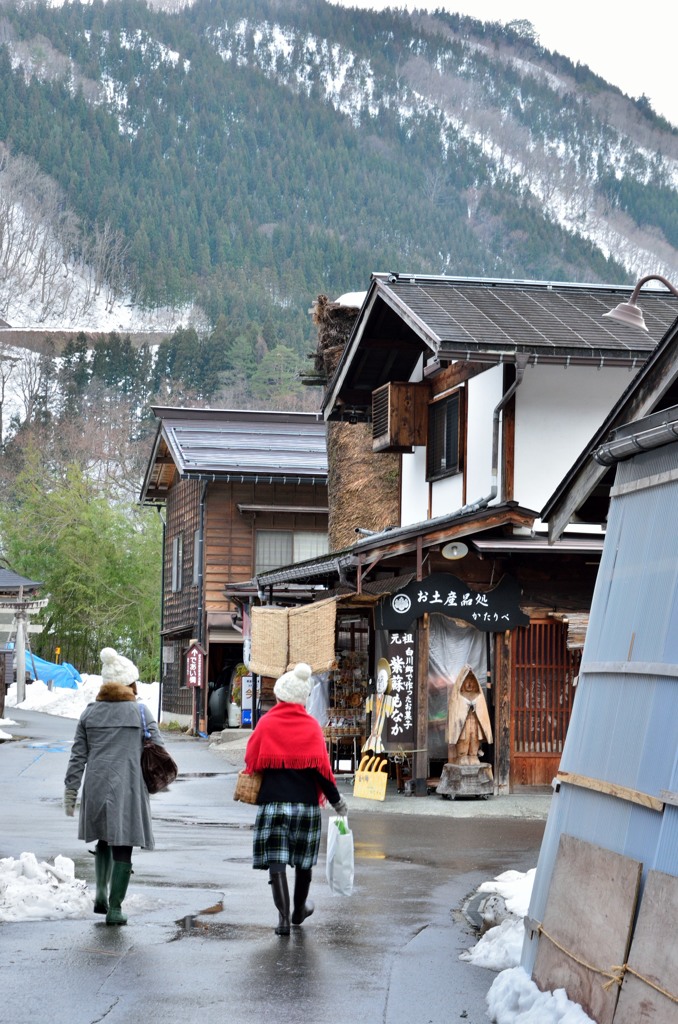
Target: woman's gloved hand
340,808
70,796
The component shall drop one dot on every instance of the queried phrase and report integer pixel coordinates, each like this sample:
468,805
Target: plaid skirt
287,834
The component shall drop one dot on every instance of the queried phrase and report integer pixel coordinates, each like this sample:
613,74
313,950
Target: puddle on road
208,928
201,775
240,826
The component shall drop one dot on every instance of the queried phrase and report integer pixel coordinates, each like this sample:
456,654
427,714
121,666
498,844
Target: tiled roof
234,445
445,319
10,582
535,317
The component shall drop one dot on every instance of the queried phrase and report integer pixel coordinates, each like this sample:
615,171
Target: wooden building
486,391
241,491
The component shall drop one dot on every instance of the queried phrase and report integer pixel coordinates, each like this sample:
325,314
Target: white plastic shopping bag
339,864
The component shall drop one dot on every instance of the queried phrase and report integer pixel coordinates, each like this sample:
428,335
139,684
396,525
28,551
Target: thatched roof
335,322
364,488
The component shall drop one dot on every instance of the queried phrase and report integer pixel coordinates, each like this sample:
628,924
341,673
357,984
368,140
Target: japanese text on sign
401,656
494,610
195,666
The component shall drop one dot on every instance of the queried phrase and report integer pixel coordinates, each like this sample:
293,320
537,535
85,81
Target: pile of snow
32,891
501,946
5,735
513,997
69,703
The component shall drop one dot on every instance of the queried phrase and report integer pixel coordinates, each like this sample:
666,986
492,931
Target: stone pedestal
466,780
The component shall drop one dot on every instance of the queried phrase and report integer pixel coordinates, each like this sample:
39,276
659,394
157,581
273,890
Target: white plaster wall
557,412
483,394
447,495
414,495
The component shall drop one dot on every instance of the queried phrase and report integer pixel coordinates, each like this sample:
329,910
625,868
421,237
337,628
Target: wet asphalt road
200,944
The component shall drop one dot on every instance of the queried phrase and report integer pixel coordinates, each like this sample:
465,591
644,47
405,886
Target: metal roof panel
223,443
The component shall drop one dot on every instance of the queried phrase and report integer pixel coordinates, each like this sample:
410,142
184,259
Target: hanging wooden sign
492,611
195,666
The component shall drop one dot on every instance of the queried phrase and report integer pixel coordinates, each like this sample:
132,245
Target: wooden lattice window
543,688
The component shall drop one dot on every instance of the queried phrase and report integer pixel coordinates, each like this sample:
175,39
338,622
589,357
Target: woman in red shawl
288,746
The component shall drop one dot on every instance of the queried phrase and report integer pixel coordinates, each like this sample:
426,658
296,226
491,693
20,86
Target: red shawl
288,737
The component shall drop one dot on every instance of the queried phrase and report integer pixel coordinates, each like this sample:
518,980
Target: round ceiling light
455,549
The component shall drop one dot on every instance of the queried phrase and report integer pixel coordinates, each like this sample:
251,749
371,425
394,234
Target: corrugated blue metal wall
624,725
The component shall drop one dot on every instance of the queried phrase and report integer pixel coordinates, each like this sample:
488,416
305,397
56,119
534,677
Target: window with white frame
285,547
177,562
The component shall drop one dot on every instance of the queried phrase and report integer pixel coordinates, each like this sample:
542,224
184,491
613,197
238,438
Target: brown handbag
158,767
247,787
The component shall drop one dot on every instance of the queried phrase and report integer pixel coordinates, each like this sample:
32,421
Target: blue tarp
59,675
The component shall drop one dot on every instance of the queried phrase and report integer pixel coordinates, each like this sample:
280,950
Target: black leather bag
158,767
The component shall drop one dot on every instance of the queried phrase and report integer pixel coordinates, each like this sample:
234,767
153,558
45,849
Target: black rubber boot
103,865
303,907
281,898
119,881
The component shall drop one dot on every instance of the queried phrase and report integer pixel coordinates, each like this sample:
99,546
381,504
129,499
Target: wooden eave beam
310,510
445,534
156,494
450,376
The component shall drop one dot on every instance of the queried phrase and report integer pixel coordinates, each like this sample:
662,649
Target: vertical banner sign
246,636
195,666
246,700
400,652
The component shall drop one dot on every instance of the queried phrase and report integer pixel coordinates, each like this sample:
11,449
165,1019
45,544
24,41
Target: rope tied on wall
615,975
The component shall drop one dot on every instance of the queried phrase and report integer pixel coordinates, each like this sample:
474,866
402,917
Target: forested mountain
248,155
223,163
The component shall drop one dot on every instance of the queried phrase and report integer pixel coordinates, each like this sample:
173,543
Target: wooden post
502,725
420,765
508,438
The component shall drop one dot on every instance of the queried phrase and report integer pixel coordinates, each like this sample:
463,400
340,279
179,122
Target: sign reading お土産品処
492,611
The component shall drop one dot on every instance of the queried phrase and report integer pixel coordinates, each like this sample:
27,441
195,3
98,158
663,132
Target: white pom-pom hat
116,668
294,687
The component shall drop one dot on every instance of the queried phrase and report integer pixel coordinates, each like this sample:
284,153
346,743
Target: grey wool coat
115,805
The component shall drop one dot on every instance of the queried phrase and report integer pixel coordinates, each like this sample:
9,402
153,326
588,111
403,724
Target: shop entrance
223,686
543,674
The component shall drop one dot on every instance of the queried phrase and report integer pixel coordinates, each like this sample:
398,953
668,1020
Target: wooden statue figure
468,720
381,706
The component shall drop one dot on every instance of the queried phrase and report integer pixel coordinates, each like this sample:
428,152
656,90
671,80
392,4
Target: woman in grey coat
115,809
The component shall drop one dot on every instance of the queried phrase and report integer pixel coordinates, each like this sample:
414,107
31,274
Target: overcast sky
630,51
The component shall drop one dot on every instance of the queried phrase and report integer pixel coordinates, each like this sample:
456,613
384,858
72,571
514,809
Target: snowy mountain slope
250,155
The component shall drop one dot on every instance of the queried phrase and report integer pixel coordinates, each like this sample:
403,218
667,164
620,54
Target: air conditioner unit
399,416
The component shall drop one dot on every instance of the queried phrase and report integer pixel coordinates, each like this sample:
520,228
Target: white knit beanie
294,687
116,668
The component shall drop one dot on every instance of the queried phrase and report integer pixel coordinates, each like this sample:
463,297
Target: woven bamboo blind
312,634
269,641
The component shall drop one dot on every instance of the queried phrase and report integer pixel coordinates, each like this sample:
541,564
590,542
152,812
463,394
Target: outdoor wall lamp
629,313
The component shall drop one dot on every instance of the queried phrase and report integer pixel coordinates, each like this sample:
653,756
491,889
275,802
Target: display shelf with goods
349,681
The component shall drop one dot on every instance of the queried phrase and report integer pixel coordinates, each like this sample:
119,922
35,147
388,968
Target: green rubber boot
119,882
103,865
